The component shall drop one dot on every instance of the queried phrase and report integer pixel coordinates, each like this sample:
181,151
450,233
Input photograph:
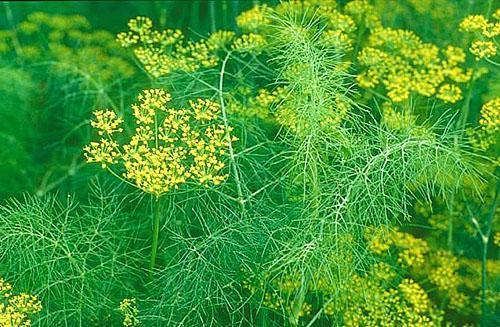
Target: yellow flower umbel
412,250
449,93
129,310
170,147
373,303
252,43
487,134
254,19
404,65
161,52
15,309
484,34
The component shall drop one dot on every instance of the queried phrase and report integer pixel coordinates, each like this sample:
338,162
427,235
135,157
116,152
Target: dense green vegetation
294,163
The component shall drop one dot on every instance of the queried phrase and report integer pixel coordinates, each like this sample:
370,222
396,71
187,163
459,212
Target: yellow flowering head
496,14
490,116
378,240
251,42
220,39
363,13
396,120
474,23
107,122
444,275
337,39
16,309
337,21
404,65
415,295
104,152
412,250
140,25
254,19
161,52
483,49
449,93
170,146
129,310
487,134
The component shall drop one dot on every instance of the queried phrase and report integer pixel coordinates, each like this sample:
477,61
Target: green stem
485,236
156,232
464,112
232,156
460,125
450,232
484,273
484,286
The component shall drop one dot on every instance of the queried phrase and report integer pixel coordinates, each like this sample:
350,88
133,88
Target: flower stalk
156,232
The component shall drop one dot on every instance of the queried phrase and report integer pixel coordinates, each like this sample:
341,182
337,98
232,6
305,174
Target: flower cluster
496,239
338,34
363,14
403,64
129,310
161,52
251,42
254,19
484,44
373,304
412,250
220,39
487,135
260,105
395,119
16,309
378,241
287,115
444,275
170,146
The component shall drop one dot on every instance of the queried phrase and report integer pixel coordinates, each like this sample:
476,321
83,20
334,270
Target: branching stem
485,237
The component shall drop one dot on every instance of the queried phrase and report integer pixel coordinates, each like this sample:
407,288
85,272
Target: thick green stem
156,232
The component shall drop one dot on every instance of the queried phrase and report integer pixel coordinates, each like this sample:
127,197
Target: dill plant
281,189
170,147
343,173
348,176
